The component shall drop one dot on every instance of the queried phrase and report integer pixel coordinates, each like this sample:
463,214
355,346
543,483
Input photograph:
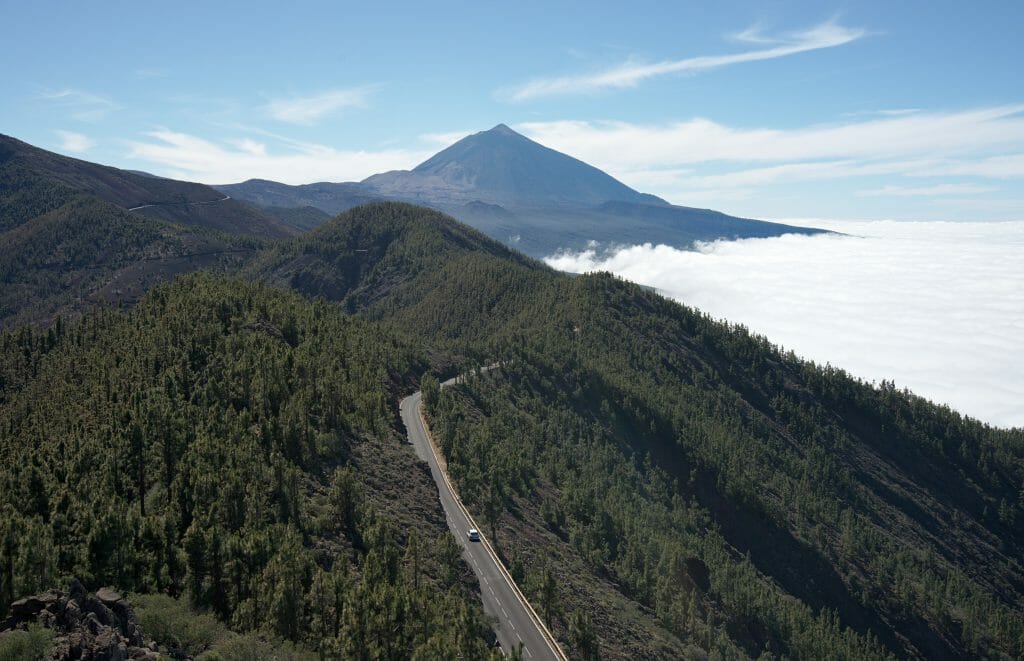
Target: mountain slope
330,198
393,258
684,485
660,484
71,240
502,167
87,251
525,195
33,181
237,446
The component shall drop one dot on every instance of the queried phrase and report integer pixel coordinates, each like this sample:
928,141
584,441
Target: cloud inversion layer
937,307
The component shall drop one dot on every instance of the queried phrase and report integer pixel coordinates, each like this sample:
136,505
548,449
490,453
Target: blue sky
908,110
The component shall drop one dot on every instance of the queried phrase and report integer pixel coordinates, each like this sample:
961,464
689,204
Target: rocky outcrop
100,627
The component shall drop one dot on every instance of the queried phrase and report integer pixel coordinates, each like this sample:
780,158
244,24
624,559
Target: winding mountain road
171,204
518,624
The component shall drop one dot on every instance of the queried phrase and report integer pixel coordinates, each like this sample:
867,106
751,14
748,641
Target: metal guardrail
548,637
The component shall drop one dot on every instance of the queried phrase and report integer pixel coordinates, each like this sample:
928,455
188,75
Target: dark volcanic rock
88,627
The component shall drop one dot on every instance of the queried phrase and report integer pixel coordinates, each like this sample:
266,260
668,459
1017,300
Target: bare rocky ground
90,627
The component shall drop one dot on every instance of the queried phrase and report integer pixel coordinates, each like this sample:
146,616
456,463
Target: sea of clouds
938,307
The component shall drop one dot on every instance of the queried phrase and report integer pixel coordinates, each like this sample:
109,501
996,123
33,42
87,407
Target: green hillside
237,446
674,472
71,241
661,484
87,251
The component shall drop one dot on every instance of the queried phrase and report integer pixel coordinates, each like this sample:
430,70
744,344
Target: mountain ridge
180,202
504,167
528,196
661,484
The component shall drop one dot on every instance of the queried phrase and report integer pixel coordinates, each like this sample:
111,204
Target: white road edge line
549,639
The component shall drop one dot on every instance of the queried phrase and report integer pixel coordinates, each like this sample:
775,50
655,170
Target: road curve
171,204
517,622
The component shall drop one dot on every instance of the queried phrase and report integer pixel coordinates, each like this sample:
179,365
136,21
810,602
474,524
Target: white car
474,535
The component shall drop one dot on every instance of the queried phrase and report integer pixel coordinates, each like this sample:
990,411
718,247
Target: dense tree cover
660,483
823,514
412,266
302,218
70,241
233,445
86,250
754,501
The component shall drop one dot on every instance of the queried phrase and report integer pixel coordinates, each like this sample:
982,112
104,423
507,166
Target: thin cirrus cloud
189,157
311,109
926,191
81,105
631,74
937,307
75,142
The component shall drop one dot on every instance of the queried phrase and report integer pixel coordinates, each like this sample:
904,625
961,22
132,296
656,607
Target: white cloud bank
631,74
937,307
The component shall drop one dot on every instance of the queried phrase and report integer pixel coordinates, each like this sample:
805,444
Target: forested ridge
821,515
70,240
33,181
756,503
661,484
234,446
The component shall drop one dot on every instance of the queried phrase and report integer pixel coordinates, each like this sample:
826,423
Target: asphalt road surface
517,623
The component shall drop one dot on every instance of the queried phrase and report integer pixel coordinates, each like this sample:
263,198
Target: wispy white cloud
446,139
938,307
632,73
1006,166
82,106
148,73
624,145
755,34
185,156
311,109
700,161
926,191
74,142
888,112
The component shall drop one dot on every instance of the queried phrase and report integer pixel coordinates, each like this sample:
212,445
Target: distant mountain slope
70,241
85,251
528,196
502,167
329,198
27,171
302,218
